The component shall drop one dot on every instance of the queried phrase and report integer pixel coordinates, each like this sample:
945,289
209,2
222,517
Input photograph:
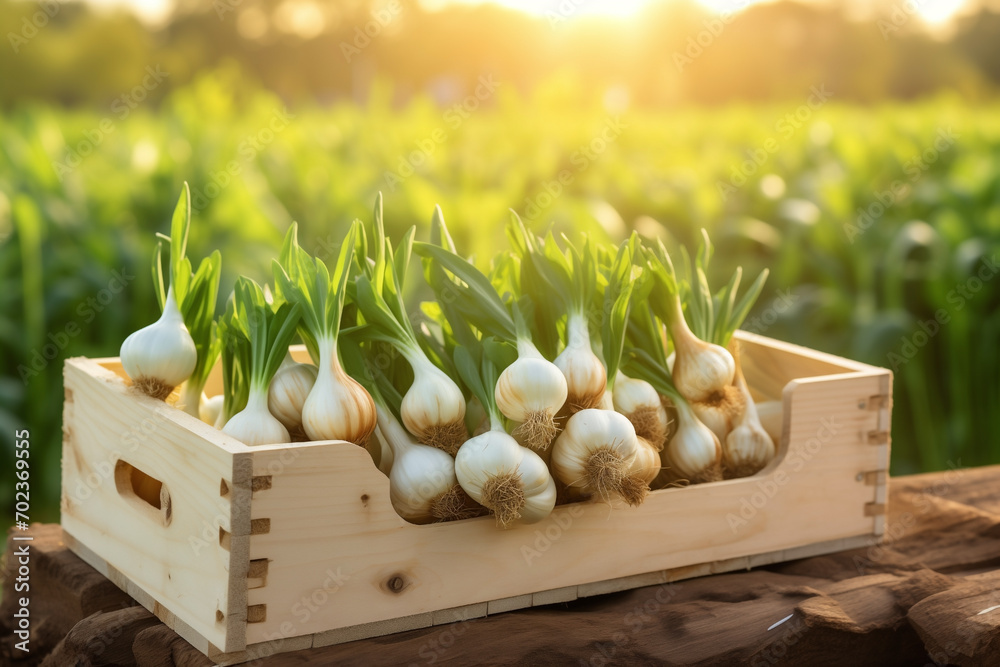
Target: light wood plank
170,561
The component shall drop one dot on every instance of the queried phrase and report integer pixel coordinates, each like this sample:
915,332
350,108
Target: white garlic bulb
595,453
161,356
288,392
254,425
509,480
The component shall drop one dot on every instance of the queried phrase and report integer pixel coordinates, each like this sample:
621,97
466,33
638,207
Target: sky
932,11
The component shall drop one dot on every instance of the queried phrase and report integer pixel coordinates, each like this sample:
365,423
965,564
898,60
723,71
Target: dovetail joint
877,402
260,483
878,437
257,613
874,509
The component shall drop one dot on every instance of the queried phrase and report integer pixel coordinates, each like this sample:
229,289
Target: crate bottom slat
459,614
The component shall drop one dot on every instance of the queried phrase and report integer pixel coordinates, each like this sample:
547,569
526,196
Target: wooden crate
247,551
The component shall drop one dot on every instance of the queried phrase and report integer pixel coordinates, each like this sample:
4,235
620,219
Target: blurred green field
880,225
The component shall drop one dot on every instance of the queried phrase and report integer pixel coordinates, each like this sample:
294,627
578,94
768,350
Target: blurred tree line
674,52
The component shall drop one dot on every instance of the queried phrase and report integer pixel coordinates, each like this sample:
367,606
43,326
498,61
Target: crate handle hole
143,491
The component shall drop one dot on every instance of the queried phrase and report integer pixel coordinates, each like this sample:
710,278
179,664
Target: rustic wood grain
914,598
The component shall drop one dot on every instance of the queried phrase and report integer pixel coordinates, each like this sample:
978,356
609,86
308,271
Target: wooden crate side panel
171,553
339,556
769,365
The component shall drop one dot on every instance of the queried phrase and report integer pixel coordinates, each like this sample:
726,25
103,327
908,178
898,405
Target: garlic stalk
701,370
161,356
269,332
702,366
509,480
289,389
641,404
595,453
564,283
378,442
748,447
531,390
433,408
693,452
337,407
586,378
198,308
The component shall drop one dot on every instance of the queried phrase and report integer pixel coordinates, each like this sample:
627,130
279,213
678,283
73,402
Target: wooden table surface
928,594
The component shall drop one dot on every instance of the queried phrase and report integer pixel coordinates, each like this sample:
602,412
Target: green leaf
179,226
161,293
484,310
742,308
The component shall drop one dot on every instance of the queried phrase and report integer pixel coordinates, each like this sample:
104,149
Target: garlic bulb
511,481
595,453
338,408
646,464
721,411
254,425
434,408
531,391
288,392
159,357
694,452
748,447
639,402
422,484
586,378
771,415
700,369
211,408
